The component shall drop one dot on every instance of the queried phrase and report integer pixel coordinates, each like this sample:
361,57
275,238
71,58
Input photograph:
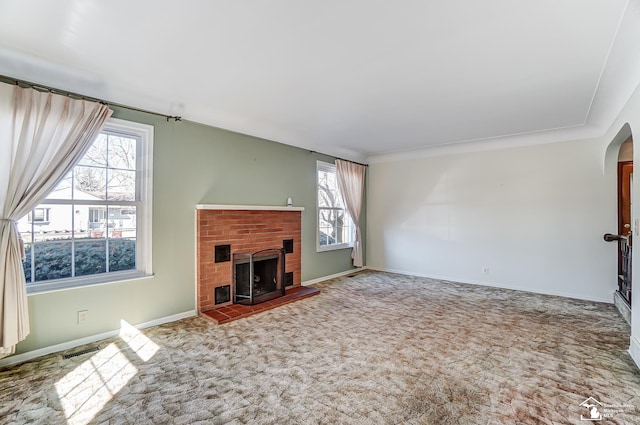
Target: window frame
327,166
143,204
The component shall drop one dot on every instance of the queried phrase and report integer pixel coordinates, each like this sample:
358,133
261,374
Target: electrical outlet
82,316
485,270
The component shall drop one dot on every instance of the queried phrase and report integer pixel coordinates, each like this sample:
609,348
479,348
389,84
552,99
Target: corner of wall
634,350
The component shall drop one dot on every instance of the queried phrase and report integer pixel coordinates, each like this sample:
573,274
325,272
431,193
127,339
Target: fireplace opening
258,276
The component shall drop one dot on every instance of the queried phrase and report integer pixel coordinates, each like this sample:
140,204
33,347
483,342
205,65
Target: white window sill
334,247
55,285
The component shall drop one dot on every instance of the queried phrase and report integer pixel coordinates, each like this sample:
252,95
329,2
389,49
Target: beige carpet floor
376,348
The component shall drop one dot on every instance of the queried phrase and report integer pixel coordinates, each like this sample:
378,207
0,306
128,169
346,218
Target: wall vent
287,244
222,253
222,294
288,279
81,352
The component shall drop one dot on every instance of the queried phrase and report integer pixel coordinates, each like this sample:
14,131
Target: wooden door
625,172
625,177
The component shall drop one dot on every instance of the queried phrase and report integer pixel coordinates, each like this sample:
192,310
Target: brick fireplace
223,231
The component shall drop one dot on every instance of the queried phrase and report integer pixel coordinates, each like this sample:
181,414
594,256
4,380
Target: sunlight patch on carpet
84,391
137,341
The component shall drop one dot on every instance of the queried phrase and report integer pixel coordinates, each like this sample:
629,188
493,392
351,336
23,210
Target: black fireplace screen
258,276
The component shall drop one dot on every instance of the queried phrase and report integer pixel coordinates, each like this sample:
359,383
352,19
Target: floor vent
352,275
81,352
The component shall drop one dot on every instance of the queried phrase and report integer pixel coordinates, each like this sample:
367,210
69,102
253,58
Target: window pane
92,219
325,237
52,260
122,185
122,238
90,183
26,263
122,222
327,217
326,197
90,256
97,153
122,254
122,152
52,222
63,189
328,193
339,227
24,227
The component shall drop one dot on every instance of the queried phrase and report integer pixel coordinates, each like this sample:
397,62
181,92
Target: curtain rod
43,88
342,159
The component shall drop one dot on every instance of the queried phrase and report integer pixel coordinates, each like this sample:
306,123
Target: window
95,226
39,215
335,228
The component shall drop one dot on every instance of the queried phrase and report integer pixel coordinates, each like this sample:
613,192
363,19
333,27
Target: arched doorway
620,152
625,203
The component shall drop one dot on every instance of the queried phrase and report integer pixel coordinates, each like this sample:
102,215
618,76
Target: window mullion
73,247
106,247
33,250
106,172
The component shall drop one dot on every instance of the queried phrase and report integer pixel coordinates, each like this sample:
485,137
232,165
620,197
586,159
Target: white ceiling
355,78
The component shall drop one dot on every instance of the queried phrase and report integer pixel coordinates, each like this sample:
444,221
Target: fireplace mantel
247,207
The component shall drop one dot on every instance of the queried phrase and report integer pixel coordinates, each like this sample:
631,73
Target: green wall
193,164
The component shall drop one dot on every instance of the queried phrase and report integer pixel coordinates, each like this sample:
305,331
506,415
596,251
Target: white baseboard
29,355
493,285
634,350
333,276
622,306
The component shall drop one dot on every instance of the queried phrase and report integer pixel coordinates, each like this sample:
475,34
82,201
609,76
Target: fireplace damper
258,276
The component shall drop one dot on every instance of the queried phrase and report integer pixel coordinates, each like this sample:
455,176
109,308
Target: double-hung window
95,226
335,227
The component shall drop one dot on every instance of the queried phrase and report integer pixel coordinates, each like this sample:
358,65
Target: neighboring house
55,219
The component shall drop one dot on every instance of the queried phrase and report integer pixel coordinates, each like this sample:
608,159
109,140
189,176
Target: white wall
533,215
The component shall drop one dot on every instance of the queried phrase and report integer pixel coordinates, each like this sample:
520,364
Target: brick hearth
244,230
238,311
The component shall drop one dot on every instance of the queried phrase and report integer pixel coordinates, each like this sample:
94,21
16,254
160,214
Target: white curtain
351,184
42,137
